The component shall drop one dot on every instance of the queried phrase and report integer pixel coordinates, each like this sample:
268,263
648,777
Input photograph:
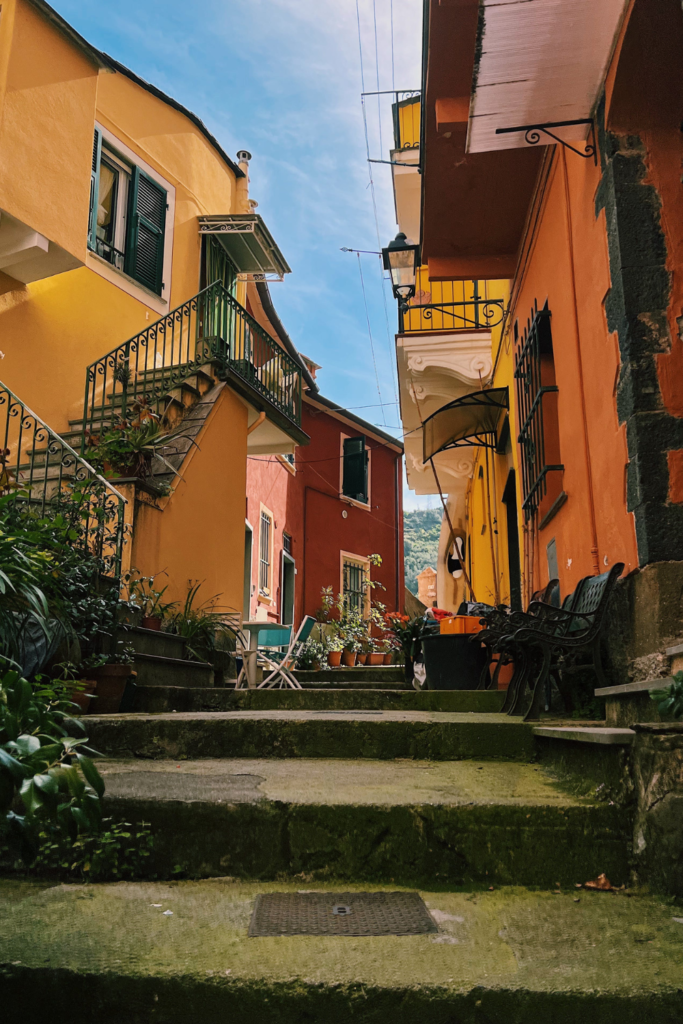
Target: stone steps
359,820
159,699
361,675
510,956
442,736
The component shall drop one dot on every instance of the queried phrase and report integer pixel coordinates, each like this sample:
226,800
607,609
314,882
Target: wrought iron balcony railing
210,329
40,469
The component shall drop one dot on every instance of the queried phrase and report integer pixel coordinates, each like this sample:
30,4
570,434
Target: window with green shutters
146,229
355,469
127,220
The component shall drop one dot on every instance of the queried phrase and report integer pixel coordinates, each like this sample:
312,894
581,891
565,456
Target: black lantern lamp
402,259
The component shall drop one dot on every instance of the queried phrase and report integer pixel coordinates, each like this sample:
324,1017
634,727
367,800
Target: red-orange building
552,152
313,519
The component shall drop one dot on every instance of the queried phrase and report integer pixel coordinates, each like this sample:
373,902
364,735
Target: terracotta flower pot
151,622
375,658
389,658
82,697
334,659
111,684
348,659
362,658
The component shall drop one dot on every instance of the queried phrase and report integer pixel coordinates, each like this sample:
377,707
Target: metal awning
537,62
470,421
248,243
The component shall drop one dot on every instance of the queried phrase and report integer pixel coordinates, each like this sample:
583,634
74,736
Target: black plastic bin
452,661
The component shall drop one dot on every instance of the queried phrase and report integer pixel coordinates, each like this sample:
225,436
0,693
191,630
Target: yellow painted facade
54,92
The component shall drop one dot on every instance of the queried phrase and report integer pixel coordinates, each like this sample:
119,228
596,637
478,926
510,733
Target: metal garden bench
500,622
559,641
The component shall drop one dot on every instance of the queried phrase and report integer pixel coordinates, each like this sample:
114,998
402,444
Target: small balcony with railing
168,366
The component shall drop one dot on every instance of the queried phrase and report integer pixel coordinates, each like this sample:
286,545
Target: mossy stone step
443,736
359,674
504,957
408,821
159,699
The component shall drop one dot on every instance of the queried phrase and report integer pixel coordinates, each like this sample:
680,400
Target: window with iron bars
264,555
354,586
537,410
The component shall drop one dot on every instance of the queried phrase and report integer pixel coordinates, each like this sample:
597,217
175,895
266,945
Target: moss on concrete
452,822
503,957
160,699
379,735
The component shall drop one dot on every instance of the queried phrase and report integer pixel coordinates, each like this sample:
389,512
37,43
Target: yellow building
133,276
444,355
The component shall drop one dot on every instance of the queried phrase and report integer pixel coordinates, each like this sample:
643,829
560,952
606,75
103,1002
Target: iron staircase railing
40,468
210,329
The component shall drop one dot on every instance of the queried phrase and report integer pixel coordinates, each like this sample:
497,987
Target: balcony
210,336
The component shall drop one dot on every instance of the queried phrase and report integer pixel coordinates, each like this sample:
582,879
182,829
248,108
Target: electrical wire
391,18
372,344
379,107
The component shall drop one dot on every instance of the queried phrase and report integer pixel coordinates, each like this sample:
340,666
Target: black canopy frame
468,422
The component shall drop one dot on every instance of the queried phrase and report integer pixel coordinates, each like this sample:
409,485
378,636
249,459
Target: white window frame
270,597
344,497
364,563
119,278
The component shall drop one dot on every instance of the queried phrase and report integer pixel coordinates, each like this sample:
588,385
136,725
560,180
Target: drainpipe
586,444
257,422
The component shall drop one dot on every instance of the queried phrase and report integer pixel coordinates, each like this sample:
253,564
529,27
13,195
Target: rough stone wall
636,309
658,826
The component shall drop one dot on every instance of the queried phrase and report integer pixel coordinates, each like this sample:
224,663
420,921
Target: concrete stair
160,699
453,822
162,660
179,952
441,736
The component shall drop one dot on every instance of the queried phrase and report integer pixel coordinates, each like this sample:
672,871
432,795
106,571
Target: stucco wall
198,534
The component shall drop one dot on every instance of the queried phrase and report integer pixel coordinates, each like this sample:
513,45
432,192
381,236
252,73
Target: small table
250,656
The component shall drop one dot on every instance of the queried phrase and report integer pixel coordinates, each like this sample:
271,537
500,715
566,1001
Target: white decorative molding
465,357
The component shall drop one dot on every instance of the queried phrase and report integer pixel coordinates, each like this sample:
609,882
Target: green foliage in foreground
421,530
669,699
118,852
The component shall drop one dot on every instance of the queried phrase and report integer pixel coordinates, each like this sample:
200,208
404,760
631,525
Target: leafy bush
205,627
669,699
51,583
119,851
44,770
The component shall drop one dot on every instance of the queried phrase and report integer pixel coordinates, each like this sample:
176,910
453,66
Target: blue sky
282,78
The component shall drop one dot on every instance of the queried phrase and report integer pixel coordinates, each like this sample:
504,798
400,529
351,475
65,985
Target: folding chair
282,674
271,647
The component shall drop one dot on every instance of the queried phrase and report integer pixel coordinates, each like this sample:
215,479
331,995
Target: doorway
510,502
248,551
287,584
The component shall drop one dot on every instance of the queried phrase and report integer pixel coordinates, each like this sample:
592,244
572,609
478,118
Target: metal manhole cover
340,913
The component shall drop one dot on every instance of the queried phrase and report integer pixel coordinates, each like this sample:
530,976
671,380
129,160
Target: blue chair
282,674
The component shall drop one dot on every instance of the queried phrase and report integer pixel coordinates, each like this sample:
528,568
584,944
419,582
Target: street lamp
402,259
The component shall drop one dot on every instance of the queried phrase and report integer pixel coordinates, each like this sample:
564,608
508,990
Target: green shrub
669,699
118,851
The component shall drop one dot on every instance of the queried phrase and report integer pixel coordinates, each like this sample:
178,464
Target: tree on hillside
421,530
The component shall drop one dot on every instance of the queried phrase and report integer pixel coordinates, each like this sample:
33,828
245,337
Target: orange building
567,182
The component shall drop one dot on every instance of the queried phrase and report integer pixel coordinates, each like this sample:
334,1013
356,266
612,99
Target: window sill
128,284
286,464
366,506
265,600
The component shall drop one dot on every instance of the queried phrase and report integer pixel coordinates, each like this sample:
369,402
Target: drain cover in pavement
340,913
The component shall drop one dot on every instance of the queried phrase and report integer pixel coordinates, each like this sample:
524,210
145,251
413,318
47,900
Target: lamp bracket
533,132
492,311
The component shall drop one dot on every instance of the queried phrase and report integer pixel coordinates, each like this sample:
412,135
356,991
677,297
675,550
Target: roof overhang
537,62
474,205
248,243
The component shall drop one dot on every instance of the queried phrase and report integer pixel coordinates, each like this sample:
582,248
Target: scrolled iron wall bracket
488,312
533,132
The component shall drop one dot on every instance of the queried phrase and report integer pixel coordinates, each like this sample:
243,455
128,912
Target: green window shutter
355,476
94,188
146,231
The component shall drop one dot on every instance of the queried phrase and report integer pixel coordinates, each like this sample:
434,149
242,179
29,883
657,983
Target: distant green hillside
421,530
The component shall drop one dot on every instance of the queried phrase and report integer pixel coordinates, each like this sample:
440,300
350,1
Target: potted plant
76,689
334,645
142,595
407,632
376,655
310,658
112,673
